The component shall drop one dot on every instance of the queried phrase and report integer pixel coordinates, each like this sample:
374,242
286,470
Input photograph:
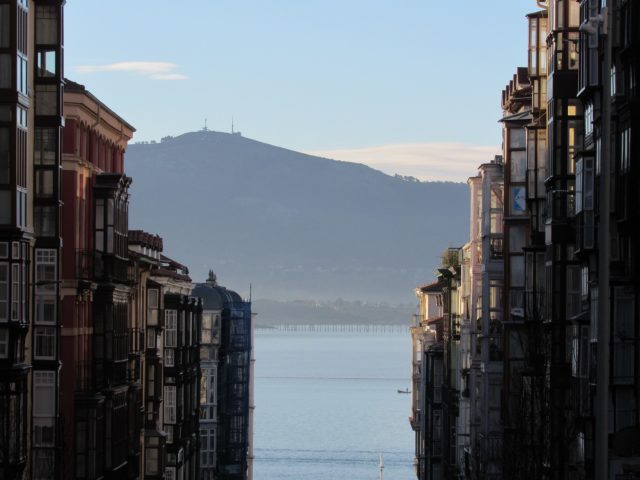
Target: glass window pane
46,146
44,183
5,22
46,25
5,207
516,138
5,70
47,65
517,271
518,200
5,151
518,166
46,100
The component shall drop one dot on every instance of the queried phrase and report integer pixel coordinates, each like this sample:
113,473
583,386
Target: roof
433,287
214,296
71,86
173,263
164,272
140,237
525,116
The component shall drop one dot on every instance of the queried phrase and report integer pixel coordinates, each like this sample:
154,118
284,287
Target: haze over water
327,405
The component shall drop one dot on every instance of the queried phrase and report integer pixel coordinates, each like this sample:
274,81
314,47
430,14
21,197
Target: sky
406,86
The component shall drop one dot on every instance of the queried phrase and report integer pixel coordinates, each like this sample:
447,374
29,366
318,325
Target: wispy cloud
426,161
153,70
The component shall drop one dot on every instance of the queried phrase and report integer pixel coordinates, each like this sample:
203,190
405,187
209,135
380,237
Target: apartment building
31,119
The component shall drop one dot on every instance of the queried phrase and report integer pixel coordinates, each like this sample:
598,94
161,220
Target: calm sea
327,406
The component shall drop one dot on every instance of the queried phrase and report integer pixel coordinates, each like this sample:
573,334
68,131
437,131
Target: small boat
406,390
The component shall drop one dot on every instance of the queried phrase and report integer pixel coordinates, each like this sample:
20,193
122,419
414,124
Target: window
206,327
22,118
44,183
46,263
151,381
625,150
588,119
517,271
517,138
152,456
623,337
46,25
5,67
4,343
15,291
46,100
153,305
170,404
44,383
4,292
518,166
169,357
22,74
45,309
46,146
47,65
46,278
170,473
45,219
5,155
171,328
518,200
5,23
45,343
574,288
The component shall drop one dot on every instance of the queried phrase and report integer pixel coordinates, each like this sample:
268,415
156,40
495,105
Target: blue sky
336,77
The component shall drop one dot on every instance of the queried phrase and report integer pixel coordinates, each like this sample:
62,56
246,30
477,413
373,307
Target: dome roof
214,296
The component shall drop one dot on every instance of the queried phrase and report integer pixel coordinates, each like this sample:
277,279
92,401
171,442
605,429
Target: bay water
327,404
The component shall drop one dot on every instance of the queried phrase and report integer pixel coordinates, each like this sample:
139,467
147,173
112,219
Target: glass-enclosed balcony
538,30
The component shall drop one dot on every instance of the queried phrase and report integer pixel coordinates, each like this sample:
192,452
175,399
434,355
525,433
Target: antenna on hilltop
204,129
233,127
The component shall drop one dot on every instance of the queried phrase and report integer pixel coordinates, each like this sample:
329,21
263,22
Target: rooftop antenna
250,291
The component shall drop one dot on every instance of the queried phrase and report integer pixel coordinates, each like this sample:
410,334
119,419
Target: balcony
112,268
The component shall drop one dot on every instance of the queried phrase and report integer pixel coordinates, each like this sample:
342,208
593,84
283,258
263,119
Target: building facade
553,379
98,390
31,119
226,425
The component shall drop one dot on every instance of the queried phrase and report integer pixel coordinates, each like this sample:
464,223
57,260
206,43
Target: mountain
294,226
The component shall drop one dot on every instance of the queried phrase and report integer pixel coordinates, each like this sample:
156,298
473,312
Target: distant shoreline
334,328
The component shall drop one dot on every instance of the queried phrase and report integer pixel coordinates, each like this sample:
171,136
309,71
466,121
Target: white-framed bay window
169,401
171,328
46,279
169,357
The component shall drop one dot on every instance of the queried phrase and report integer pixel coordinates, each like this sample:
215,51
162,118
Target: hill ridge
293,224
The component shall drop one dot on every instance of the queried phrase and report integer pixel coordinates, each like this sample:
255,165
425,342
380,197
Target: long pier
334,328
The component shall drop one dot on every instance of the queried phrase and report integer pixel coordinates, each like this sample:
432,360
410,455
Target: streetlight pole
604,250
